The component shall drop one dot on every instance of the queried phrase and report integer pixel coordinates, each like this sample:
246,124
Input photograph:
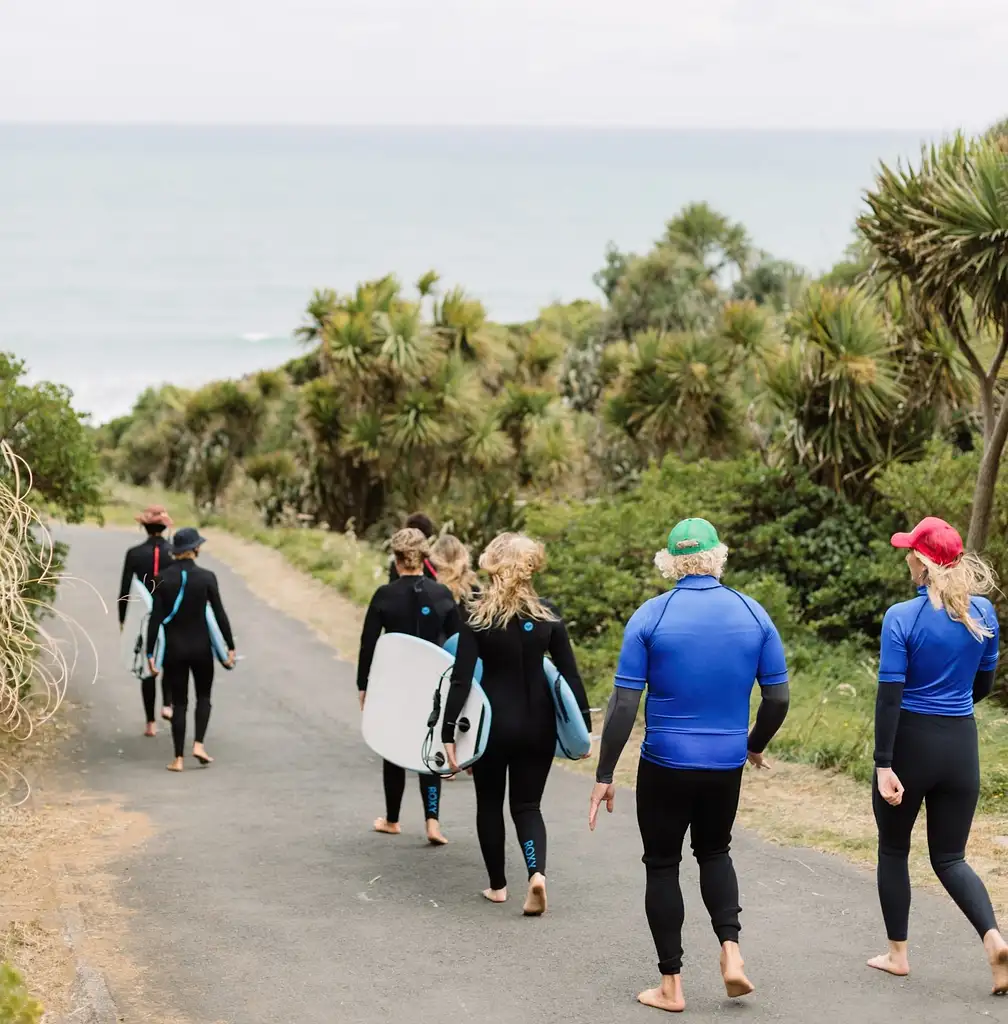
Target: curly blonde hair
510,560
410,547
453,562
952,586
706,563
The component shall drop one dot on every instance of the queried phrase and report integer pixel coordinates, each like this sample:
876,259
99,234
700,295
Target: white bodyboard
407,674
134,632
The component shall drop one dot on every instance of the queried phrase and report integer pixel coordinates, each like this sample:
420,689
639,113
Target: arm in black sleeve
452,621
157,616
619,722
773,709
124,587
887,715
213,596
563,657
461,681
368,640
983,683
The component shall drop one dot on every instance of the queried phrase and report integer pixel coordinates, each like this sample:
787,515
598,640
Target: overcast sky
933,64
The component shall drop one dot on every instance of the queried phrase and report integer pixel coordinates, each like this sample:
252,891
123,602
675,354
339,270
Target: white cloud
848,63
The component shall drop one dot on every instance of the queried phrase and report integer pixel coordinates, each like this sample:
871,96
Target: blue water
131,255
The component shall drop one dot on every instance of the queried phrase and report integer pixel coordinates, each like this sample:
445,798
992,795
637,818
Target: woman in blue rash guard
698,649
939,654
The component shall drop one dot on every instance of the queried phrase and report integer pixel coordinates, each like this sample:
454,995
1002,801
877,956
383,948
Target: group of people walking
696,651
181,591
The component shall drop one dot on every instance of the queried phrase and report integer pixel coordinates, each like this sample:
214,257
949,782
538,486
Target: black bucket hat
186,539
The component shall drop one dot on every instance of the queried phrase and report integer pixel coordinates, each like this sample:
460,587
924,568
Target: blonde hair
953,586
409,547
510,560
453,562
706,563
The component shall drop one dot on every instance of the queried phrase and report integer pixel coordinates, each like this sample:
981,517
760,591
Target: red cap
934,539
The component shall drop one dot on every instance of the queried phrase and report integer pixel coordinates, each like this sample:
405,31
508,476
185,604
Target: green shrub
16,1003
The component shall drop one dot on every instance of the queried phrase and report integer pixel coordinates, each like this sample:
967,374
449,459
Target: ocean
131,256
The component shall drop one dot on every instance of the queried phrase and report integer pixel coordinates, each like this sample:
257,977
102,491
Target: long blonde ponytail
952,586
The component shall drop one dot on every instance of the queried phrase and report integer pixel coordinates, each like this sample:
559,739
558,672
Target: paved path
264,898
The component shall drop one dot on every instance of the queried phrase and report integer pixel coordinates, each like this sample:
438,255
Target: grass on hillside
831,721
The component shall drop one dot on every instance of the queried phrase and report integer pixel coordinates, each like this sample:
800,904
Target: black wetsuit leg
670,801
166,697
527,774
430,796
177,674
203,676
394,784
147,692
490,781
937,760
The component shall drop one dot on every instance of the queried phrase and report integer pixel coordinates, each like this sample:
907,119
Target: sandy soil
792,805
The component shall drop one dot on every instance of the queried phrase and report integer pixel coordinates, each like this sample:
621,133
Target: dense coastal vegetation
808,418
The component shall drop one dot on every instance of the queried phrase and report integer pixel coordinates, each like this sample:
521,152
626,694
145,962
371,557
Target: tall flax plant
941,231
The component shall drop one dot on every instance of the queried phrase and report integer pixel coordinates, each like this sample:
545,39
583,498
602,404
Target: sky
855,64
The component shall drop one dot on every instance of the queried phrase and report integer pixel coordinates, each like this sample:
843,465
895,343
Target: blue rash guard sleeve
631,670
892,678
772,667
893,653
990,655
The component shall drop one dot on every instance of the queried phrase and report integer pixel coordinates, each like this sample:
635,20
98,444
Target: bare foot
735,981
495,895
434,836
166,713
668,996
535,901
151,729
381,825
199,752
895,962
177,765
997,954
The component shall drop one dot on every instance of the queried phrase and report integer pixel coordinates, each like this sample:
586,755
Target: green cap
691,537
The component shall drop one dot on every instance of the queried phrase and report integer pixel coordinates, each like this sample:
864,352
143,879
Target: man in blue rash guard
697,649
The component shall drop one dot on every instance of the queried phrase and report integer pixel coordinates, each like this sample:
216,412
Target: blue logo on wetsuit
528,627
425,610
530,855
432,800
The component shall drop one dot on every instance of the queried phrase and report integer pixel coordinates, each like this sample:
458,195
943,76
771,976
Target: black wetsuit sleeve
887,716
563,657
124,586
368,640
619,722
773,709
213,596
452,621
461,681
983,683
159,612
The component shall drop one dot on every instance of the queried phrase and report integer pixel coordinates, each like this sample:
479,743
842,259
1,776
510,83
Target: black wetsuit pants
394,781
524,772
670,801
937,761
147,690
176,678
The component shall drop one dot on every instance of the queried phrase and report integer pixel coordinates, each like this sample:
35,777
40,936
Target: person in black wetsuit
187,639
938,658
145,562
419,606
422,522
511,629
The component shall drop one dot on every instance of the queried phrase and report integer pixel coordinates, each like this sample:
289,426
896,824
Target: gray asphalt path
263,897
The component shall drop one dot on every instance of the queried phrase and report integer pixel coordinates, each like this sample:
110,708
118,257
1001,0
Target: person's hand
230,663
601,791
449,749
889,786
757,760
152,666
362,694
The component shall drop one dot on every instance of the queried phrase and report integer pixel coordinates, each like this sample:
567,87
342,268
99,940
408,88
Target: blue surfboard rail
573,739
